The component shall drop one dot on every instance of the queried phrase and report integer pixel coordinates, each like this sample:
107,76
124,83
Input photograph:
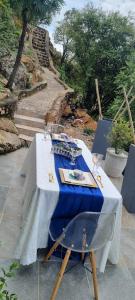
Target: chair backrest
88,230
56,128
128,185
101,142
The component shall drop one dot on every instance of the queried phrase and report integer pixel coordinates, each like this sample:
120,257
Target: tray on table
88,180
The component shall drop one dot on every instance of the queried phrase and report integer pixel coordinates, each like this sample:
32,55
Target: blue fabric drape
73,199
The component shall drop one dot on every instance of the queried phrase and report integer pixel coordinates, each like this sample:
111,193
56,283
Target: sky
123,6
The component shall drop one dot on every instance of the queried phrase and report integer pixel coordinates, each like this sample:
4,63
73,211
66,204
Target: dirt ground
77,132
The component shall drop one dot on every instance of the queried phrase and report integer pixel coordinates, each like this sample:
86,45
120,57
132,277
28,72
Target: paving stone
37,281
74,284
116,283
3,196
25,282
42,101
128,246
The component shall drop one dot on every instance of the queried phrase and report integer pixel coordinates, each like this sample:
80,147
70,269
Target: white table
41,197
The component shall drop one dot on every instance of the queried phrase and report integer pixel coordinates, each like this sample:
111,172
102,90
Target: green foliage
121,136
98,47
70,73
36,11
88,131
62,36
126,76
8,31
29,52
30,12
1,88
5,274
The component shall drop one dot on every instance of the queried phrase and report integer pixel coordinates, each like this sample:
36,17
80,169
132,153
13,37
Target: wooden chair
86,233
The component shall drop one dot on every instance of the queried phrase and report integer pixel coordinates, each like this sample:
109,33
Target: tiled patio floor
35,282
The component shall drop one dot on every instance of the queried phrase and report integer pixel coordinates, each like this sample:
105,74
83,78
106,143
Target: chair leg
82,256
94,273
60,275
54,247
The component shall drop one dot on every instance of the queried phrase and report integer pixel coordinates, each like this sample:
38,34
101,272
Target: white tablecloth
41,197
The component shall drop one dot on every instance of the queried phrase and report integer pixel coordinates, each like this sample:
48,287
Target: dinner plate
87,181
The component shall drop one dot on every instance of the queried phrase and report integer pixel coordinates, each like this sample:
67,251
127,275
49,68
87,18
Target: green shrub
88,131
4,293
121,136
8,31
1,87
126,78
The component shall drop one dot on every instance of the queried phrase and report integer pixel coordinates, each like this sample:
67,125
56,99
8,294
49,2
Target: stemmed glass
96,159
72,156
47,130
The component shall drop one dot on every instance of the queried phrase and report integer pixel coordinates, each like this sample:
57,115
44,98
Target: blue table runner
73,199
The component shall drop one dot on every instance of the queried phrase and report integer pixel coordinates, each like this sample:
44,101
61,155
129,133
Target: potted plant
120,139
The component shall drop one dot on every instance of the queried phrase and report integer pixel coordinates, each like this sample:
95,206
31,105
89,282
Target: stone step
41,54
29,113
28,130
38,39
26,137
39,33
29,121
38,46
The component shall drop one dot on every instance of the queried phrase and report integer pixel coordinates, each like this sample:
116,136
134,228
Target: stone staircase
28,124
40,43
45,105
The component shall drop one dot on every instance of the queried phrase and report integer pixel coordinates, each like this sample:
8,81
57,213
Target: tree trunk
63,56
20,51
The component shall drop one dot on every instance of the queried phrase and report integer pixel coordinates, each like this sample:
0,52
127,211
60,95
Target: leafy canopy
100,44
36,10
62,35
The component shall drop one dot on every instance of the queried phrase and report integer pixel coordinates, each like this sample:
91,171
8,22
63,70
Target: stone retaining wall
36,88
55,113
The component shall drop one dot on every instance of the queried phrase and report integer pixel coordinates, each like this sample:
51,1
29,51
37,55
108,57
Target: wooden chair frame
63,268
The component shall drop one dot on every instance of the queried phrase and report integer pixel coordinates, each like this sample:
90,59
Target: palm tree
31,11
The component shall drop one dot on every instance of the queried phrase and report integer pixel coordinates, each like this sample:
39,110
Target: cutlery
100,181
51,178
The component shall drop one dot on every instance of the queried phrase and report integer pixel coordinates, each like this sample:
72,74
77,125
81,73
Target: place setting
66,147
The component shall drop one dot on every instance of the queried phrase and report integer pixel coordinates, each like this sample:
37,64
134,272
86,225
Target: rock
29,63
37,76
3,96
55,113
9,142
80,113
3,80
77,123
91,125
70,132
85,123
6,65
86,118
51,117
8,125
67,111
